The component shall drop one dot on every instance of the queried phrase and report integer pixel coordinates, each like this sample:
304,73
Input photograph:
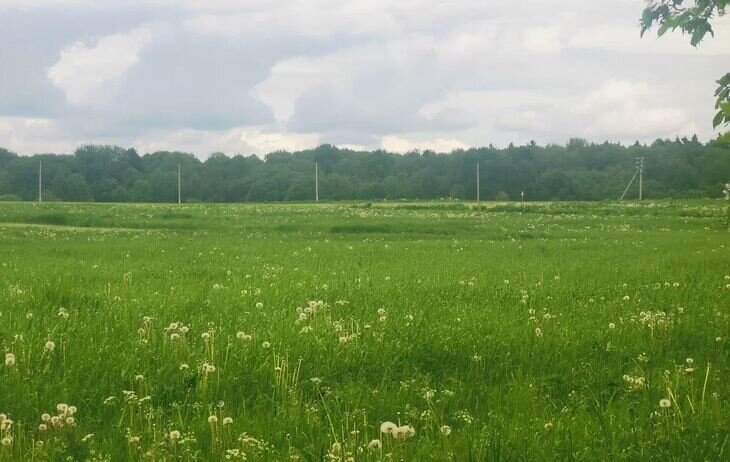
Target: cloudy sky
254,76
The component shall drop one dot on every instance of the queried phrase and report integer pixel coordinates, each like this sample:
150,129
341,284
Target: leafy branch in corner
693,18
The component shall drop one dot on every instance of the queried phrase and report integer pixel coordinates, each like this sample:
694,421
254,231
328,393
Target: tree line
683,168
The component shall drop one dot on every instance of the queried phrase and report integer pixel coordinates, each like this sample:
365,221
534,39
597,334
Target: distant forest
683,168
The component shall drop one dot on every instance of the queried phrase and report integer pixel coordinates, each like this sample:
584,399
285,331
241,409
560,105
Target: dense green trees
579,171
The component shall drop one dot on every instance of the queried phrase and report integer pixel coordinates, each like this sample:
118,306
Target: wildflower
403,432
42,427
266,345
184,367
71,410
45,417
611,325
208,368
28,315
690,361
174,336
139,377
50,346
388,427
70,421
538,332
374,445
7,441
62,407
134,439
174,435
445,430
9,359
213,419
259,305
227,420
665,403
205,336
549,425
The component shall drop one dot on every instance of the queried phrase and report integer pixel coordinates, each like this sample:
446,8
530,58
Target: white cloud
625,38
544,40
85,71
26,135
239,140
402,145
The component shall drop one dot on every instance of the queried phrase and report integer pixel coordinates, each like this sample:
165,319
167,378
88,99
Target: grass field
565,331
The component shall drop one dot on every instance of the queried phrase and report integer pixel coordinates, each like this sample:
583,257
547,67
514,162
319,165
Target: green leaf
725,80
699,34
717,121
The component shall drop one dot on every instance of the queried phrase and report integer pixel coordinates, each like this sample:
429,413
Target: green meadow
439,331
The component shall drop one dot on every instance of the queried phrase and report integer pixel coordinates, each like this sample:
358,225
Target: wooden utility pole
40,181
179,184
316,182
477,181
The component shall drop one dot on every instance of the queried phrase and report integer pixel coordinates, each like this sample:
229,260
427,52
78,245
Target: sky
256,76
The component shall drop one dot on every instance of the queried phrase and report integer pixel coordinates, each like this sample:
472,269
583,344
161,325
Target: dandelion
548,425
45,417
388,427
213,419
174,435
665,403
205,336
71,410
227,420
62,407
70,421
139,377
7,441
259,305
404,432
208,368
690,361
9,359
50,346
611,325
445,430
184,367
538,332
374,445
266,345
42,427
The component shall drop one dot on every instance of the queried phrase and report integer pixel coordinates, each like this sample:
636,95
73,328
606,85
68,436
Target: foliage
579,171
694,20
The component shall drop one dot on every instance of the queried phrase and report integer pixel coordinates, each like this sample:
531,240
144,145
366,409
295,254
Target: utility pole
522,196
179,190
316,182
40,181
477,181
640,165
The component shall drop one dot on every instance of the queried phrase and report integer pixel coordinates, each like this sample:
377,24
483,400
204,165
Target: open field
292,332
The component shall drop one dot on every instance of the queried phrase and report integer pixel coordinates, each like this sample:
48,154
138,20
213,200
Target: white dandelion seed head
665,403
374,445
388,427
